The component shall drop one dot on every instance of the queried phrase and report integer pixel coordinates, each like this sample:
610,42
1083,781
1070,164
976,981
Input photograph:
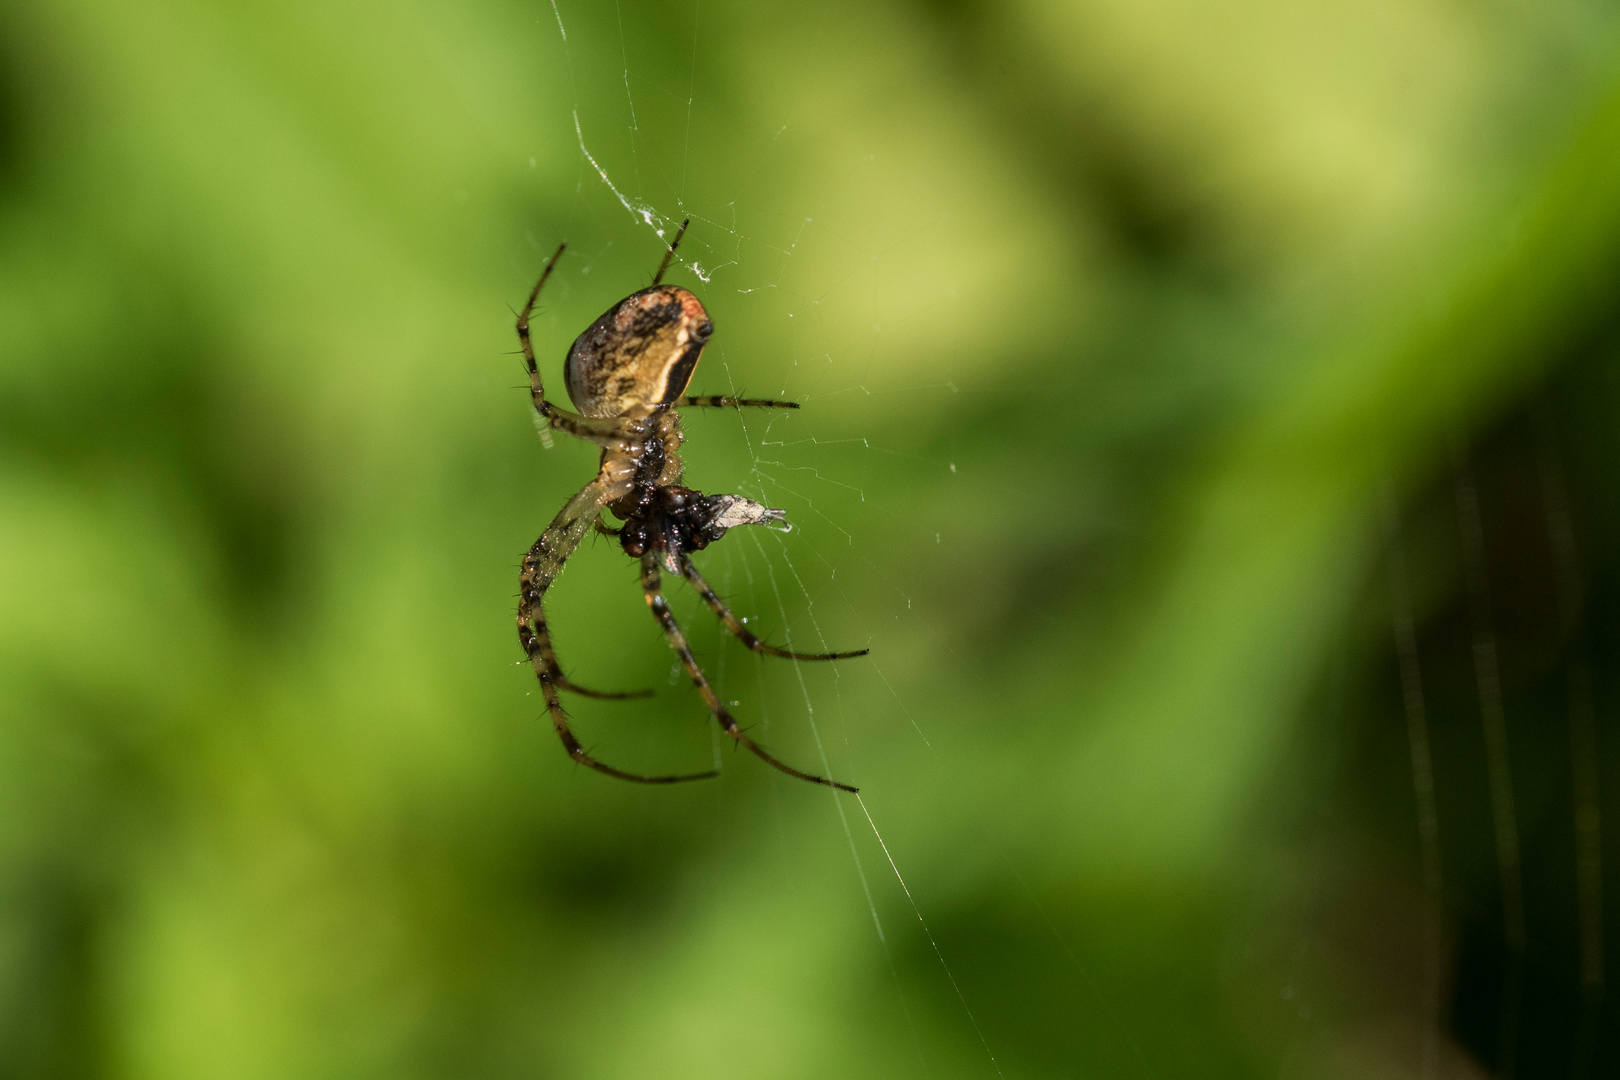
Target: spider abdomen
639,355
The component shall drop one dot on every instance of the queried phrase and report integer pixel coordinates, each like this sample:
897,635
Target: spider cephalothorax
626,373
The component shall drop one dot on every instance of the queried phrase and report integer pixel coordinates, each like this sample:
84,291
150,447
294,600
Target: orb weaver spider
627,373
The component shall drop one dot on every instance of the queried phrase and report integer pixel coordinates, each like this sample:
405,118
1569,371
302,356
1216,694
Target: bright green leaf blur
1127,333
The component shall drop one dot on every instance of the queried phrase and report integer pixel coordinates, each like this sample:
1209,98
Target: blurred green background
1210,426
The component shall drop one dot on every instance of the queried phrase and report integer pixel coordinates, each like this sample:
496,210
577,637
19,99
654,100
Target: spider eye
701,332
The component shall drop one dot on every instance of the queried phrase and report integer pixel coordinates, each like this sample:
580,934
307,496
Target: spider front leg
652,585
720,401
614,433
741,632
540,568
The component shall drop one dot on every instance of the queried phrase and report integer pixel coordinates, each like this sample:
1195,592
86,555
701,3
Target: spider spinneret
627,373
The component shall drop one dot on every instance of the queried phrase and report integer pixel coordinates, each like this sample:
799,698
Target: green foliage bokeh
1120,327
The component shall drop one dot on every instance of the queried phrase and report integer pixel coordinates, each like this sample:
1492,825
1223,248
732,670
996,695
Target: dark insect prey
627,374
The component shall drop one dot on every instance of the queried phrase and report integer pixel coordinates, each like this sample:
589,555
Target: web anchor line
930,935
843,818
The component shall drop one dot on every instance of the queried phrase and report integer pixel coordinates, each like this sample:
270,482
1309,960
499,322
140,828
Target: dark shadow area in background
1561,432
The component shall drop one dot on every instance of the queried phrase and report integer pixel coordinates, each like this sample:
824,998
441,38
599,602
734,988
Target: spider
627,373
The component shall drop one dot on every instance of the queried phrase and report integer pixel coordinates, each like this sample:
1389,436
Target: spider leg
741,632
720,401
651,584
523,321
601,695
611,432
540,568
670,254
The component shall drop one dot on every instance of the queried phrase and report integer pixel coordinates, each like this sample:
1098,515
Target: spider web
817,303
809,296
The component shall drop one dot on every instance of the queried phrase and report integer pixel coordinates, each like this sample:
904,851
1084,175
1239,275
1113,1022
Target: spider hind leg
741,632
541,566
652,586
